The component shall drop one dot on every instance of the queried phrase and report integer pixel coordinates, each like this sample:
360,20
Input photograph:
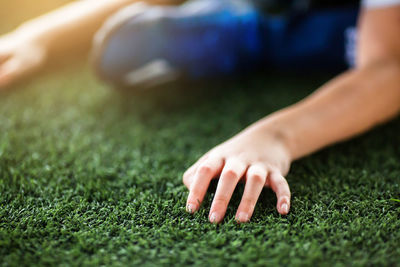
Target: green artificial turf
92,177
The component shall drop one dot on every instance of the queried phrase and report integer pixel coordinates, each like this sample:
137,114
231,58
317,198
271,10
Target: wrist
273,129
31,33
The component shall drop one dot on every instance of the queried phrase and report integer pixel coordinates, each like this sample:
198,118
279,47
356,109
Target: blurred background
13,13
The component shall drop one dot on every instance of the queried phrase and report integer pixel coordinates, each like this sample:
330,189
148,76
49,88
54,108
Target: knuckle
186,181
185,175
205,170
278,179
230,175
257,178
213,154
220,201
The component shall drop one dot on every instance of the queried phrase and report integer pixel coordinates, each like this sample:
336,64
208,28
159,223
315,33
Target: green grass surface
90,177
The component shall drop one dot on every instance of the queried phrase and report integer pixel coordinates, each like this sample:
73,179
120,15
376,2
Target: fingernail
243,217
285,208
214,217
191,208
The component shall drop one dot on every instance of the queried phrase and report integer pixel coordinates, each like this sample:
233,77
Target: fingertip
215,217
283,208
242,217
191,208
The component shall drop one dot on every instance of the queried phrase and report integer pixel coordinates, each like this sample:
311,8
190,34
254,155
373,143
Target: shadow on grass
246,90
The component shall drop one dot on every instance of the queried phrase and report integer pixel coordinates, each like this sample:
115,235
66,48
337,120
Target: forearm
72,25
348,105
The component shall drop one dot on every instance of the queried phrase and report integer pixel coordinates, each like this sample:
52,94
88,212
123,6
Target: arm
26,49
349,105
346,106
355,101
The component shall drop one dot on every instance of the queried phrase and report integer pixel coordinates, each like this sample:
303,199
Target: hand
255,155
20,56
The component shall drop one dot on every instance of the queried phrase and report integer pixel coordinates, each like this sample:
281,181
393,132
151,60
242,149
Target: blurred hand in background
20,56
60,32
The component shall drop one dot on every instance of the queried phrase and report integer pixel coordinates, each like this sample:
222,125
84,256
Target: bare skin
25,50
348,105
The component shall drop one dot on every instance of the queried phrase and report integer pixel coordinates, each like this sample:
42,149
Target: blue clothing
207,38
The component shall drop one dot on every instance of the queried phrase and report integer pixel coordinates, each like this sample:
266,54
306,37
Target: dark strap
290,6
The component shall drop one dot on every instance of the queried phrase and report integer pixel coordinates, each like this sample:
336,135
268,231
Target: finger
230,176
4,57
281,188
9,71
204,174
255,181
6,78
189,174
15,69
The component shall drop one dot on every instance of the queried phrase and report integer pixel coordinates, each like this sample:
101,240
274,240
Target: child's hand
255,155
19,57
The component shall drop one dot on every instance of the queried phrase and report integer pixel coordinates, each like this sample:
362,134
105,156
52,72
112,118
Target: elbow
389,65
387,60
